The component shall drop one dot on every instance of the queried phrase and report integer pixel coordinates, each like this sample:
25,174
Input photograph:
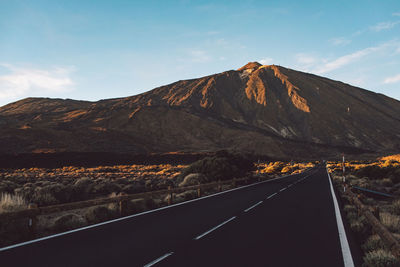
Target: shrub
187,195
380,258
386,182
362,182
9,202
26,192
359,226
372,171
81,188
369,201
396,207
133,188
350,208
193,179
273,167
392,222
7,186
51,194
104,187
68,222
352,216
99,214
136,205
373,242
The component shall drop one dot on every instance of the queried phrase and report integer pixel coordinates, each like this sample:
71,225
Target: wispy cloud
340,41
352,57
392,79
384,26
266,61
22,81
396,14
344,60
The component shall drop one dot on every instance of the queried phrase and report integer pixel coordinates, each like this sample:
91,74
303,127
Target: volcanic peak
250,65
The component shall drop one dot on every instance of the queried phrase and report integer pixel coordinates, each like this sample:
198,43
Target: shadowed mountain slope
268,110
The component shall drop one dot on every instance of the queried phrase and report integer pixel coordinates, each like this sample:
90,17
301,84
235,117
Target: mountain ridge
264,109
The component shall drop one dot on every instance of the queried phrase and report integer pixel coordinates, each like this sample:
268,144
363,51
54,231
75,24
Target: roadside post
32,221
123,206
344,176
171,195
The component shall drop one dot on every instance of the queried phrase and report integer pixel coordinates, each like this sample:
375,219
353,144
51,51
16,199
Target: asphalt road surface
284,222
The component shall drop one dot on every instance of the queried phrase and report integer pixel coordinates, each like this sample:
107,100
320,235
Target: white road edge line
158,260
272,195
255,205
214,228
347,258
134,215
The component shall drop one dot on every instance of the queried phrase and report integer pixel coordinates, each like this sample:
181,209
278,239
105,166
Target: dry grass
68,184
382,175
391,221
9,202
380,258
374,242
396,207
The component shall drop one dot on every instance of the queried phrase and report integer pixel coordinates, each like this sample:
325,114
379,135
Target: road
285,222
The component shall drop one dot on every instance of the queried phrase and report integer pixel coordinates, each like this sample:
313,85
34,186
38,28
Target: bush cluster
377,172
58,191
222,166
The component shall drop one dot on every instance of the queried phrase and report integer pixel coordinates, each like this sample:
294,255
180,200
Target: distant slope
268,110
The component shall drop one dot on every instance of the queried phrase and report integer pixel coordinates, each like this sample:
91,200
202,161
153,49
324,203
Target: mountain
268,110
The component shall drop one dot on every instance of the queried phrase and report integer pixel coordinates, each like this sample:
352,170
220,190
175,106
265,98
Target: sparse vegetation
279,167
392,222
9,202
380,258
373,242
68,222
99,213
396,207
68,184
382,175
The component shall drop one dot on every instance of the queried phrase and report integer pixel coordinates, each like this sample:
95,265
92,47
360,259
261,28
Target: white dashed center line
258,203
215,228
158,260
272,195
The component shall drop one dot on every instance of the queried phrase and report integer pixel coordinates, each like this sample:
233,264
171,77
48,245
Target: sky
96,49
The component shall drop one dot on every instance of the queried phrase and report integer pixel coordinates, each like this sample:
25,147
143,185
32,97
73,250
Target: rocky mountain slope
269,110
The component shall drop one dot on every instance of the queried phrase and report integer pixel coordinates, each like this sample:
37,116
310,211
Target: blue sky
104,49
